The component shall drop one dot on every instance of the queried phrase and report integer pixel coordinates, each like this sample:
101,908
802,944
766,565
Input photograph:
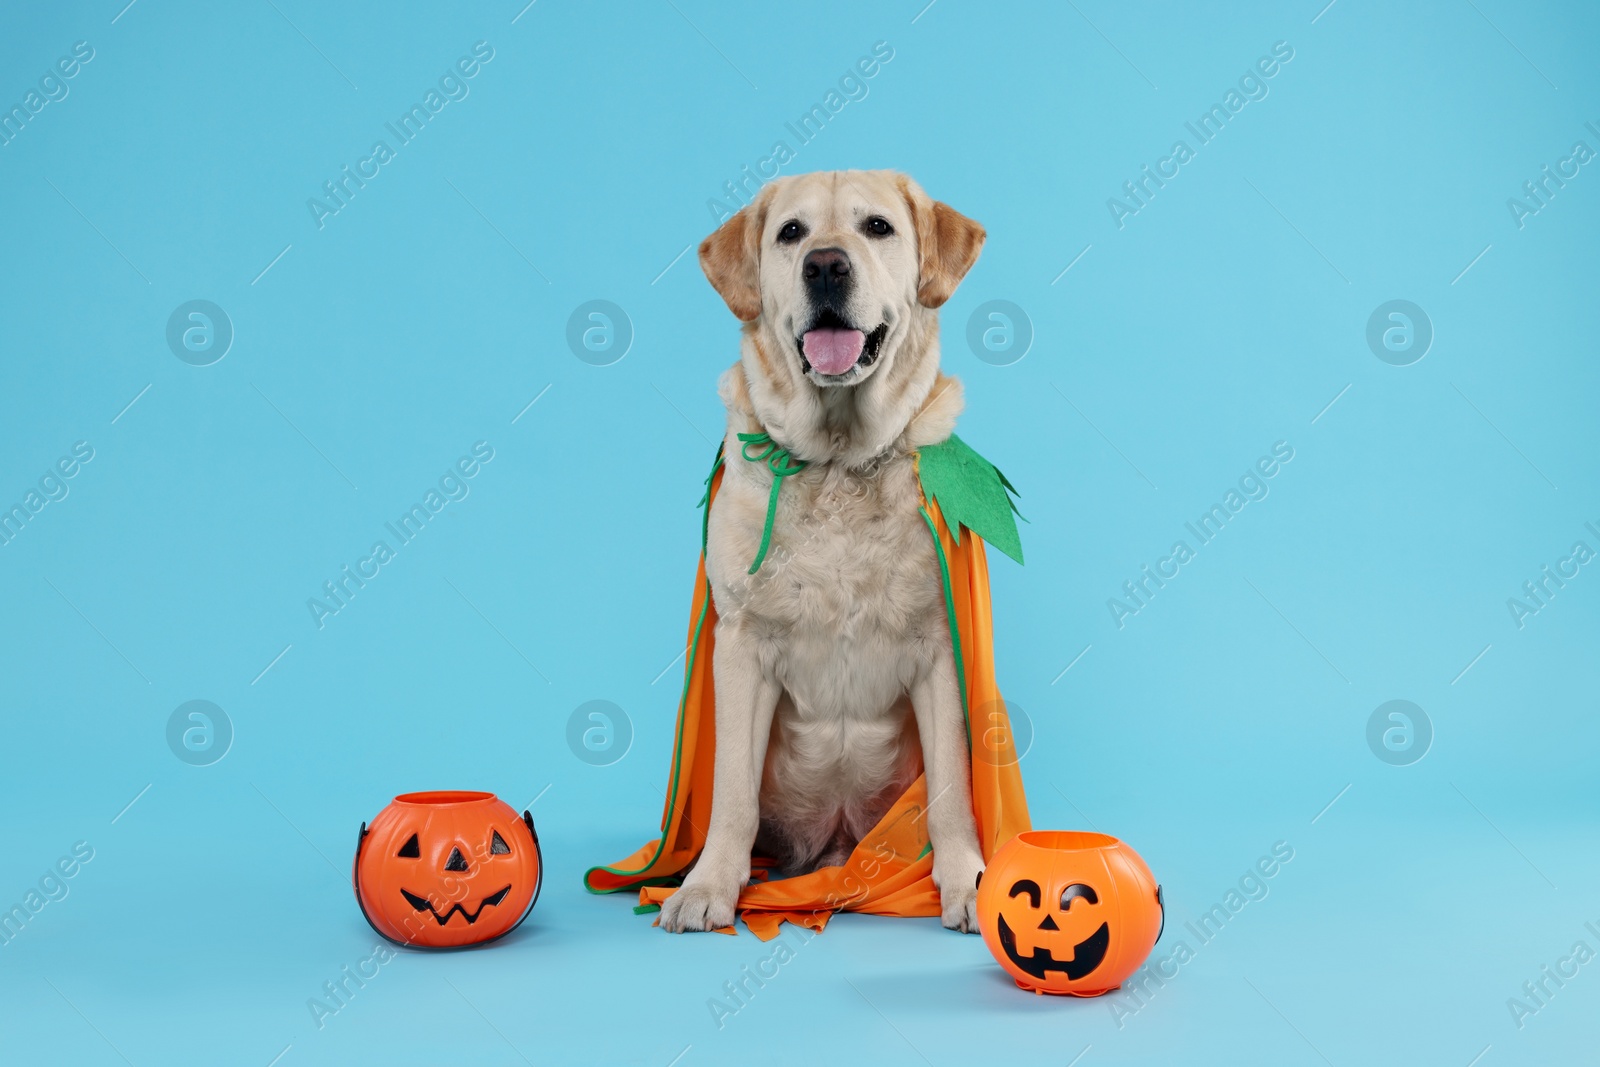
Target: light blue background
427,314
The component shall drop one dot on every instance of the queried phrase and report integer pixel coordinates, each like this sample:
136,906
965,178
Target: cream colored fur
834,673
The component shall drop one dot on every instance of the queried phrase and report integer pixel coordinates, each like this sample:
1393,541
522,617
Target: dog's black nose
827,274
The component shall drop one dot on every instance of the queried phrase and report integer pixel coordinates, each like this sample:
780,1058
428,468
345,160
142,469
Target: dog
835,678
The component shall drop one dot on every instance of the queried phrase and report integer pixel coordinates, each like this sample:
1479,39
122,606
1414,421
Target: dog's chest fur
848,607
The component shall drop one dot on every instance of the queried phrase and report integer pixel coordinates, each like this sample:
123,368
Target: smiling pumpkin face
447,868
1067,912
1080,959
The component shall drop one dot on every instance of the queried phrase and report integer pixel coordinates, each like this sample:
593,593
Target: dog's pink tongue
832,351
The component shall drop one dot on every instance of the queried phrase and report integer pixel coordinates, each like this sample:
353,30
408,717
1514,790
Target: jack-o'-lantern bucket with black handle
1069,912
447,868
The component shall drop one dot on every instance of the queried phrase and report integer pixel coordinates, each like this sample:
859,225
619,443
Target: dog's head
839,268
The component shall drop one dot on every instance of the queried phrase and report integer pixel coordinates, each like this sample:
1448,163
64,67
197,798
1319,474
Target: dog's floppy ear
947,245
730,259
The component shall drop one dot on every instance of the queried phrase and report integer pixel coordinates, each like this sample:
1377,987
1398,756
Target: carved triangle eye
498,846
409,850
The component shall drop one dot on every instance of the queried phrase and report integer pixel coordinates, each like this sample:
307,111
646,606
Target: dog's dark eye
879,226
791,232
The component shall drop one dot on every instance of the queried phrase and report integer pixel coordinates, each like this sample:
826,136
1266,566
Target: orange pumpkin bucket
1069,912
447,868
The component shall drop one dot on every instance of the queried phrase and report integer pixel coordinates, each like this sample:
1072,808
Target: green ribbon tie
781,464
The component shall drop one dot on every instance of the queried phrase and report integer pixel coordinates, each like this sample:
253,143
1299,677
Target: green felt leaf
971,492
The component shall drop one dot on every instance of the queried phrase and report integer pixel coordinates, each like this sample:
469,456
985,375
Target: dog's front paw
958,895
699,907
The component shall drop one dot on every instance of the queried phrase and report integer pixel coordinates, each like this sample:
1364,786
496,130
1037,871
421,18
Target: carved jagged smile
422,904
1086,954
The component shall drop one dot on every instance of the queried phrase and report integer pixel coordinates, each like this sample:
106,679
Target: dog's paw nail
695,908
959,908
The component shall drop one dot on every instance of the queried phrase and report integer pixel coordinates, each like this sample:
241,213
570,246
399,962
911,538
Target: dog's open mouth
422,904
832,346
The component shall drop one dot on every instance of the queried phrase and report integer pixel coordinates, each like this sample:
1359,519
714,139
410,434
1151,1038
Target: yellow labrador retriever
833,665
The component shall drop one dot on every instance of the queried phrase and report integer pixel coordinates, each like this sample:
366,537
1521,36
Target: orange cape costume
891,871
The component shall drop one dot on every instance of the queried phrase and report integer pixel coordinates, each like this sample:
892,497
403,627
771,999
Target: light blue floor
1156,359
1389,938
